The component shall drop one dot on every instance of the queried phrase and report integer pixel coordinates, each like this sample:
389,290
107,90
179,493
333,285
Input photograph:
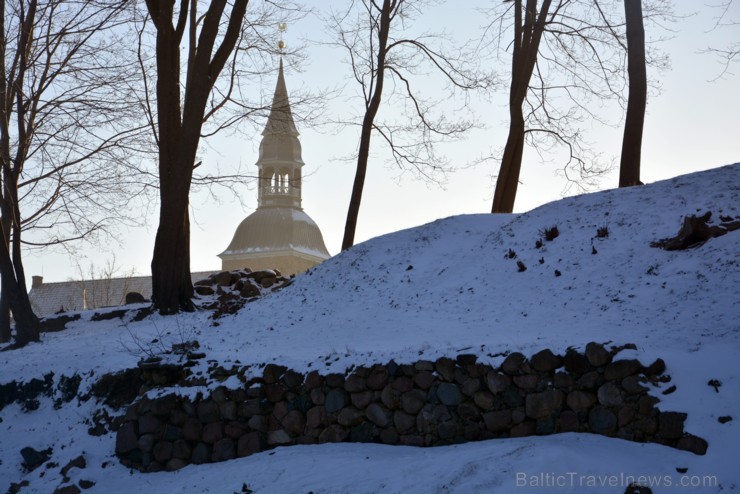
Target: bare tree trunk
629,167
179,133
367,128
26,322
4,313
527,36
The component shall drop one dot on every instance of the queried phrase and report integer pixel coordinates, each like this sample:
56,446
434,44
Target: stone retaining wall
427,403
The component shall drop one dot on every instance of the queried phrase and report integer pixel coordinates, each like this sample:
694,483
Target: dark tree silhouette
372,33
67,130
179,125
629,167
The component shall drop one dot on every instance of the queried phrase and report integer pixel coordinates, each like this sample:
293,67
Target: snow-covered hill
443,288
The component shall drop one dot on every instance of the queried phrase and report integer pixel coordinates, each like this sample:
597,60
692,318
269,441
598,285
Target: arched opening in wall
284,177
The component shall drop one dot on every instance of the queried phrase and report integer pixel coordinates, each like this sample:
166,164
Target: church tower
279,234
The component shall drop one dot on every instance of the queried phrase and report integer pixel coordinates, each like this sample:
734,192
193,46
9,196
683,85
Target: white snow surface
441,289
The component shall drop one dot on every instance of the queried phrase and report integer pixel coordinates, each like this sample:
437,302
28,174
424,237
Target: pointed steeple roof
280,120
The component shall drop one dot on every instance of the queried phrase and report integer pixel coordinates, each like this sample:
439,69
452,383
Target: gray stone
192,430
468,411
633,386
249,443
527,428
692,443
602,421
333,434
575,362
275,392
273,372
201,454
224,449
448,430
294,422
349,417
204,290
235,430
213,432
146,443
316,417
403,421
126,439
228,410
544,404
172,433
402,384
33,458
413,401
449,394
134,298
590,381
181,450
512,397
388,436
670,424
280,410
317,396
569,421
335,380
267,282
597,355
172,465
278,437
313,380
207,412
378,415
656,368
625,415
563,381
527,381
424,365
362,433
362,399
545,426
390,397
223,278
445,367
162,451
497,421
250,408
471,386
377,380
620,369
354,384
580,400
149,424
512,363
484,400
424,379
411,440
609,395
249,290
258,423
336,399
546,361
497,382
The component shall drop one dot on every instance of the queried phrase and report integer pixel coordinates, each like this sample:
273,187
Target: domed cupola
279,234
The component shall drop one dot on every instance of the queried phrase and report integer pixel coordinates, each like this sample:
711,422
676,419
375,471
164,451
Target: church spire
280,159
280,120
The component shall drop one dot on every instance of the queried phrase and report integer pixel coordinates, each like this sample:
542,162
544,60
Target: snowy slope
436,290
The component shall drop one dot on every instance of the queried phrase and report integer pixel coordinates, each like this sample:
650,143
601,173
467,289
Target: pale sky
692,125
